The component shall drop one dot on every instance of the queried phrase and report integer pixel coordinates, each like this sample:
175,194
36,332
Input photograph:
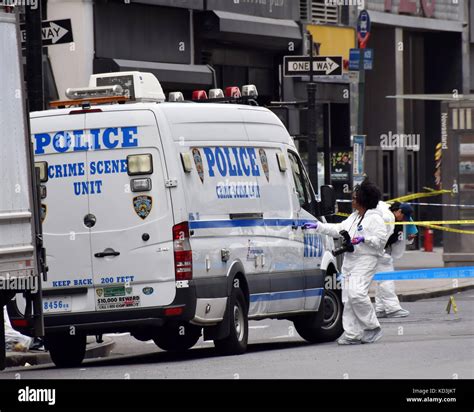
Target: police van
175,220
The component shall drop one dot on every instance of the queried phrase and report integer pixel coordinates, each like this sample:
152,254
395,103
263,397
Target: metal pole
34,58
312,124
327,145
360,122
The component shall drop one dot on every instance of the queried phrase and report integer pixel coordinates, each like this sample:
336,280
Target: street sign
363,28
52,32
354,59
368,59
322,66
358,159
361,59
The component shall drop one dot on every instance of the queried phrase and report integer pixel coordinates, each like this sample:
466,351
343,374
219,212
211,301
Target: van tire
66,351
236,342
324,325
173,338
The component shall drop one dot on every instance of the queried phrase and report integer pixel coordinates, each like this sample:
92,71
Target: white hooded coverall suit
386,299
358,269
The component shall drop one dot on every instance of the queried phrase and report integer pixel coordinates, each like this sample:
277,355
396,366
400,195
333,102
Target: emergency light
176,97
232,91
249,90
140,164
43,169
216,94
141,185
138,86
199,95
87,92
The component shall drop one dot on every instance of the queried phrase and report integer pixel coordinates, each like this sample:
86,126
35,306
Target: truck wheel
236,342
177,338
324,325
66,351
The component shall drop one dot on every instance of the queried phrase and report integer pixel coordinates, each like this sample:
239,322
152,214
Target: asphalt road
429,344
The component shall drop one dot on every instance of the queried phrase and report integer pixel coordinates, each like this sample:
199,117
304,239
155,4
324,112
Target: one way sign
322,66
52,32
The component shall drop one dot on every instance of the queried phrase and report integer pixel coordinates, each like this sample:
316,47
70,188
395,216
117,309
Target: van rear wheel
236,342
177,338
324,325
66,351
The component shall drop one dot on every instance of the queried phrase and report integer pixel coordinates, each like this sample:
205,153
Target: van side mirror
328,200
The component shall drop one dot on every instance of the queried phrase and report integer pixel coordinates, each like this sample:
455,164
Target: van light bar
249,90
176,97
233,91
216,94
101,91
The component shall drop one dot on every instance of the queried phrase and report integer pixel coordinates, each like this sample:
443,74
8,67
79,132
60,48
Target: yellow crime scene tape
419,195
434,224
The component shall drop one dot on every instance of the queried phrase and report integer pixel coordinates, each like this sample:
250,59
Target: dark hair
395,206
367,194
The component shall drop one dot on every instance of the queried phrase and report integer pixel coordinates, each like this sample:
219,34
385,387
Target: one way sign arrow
52,32
322,66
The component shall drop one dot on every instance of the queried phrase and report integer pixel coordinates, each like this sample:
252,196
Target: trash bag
14,340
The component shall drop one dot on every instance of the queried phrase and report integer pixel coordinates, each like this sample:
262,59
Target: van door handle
104,254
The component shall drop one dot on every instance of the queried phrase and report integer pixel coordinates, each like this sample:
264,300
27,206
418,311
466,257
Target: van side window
299,179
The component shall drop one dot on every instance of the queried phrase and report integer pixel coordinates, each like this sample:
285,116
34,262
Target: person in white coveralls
387,304
368,234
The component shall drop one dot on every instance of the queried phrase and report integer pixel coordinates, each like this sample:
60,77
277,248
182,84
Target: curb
412,297
93,350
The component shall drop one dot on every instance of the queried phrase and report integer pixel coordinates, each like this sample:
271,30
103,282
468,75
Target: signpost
363,35
358,159
368,59
354,59
361,59
363,28
322,66
314,66
52,32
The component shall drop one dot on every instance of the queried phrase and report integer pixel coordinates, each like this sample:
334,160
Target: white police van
175,219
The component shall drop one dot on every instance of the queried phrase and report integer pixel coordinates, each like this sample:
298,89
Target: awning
250,30
179,76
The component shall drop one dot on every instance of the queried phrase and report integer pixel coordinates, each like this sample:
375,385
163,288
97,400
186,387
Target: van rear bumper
126,320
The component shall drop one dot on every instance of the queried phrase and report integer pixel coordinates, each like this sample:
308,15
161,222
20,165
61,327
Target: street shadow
192,354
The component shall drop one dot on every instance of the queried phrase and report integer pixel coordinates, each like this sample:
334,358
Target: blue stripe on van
293,294
214,224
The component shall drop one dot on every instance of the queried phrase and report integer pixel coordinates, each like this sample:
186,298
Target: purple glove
309,225
357,240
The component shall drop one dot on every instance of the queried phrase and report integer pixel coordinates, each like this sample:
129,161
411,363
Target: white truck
21,253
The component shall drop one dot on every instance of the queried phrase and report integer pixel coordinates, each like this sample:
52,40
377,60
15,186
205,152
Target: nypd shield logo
142,205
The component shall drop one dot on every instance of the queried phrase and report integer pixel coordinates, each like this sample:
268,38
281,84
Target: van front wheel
324,325
66,351
236,342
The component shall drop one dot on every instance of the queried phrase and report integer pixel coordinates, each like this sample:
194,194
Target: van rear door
66,238
131,239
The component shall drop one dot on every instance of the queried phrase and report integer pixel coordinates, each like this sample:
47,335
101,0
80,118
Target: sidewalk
93,350
411,290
